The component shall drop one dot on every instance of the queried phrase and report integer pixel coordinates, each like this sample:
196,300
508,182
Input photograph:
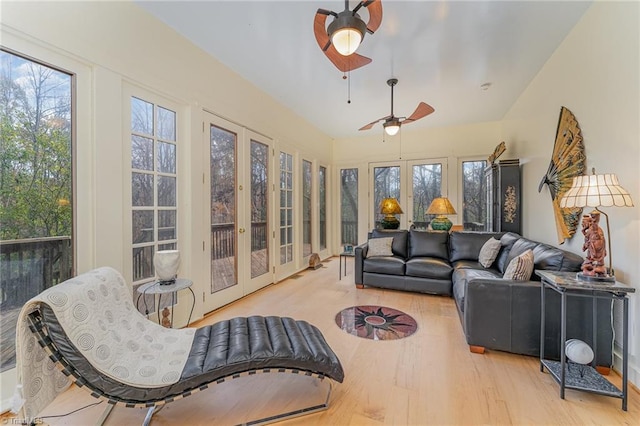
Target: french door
413,183
240,238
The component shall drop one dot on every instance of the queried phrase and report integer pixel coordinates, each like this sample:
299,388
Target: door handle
241,230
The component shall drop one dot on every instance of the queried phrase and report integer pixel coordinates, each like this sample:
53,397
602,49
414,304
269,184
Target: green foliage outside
35,150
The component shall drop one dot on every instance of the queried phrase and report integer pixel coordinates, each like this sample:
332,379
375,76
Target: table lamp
596,191
390,207
441,207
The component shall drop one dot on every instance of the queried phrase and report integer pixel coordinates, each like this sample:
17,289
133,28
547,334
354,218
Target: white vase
166,263
578,351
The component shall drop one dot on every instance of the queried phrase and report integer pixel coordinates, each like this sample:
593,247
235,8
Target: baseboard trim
633,370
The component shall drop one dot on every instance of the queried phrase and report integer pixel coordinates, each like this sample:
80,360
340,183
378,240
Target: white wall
595,73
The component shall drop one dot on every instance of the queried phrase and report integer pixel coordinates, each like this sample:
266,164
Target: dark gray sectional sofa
495,313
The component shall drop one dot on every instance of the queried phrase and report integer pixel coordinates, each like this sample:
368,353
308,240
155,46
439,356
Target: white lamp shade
346,40
596,191
166,263
392,130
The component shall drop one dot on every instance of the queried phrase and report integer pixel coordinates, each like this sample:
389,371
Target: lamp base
595,278
441,223
390,222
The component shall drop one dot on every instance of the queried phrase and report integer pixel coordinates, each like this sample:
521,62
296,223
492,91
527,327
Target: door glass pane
322,191
223,208
306,208
259,208
349,206
474,207
141,153
36,241
427,184
386,184
286,208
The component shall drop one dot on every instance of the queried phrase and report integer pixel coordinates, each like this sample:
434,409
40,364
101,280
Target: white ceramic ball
578,351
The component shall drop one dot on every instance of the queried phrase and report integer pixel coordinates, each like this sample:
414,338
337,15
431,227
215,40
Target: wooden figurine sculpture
594,245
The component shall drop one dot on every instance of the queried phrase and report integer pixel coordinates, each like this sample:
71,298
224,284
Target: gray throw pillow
520,268
379,247
489,252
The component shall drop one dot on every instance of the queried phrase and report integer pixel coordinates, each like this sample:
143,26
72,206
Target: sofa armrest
360,256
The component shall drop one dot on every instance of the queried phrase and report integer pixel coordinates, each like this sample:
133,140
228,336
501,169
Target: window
286,208
306,208
426,185
349,206
474,208
36,188
386,184
153,184
322,184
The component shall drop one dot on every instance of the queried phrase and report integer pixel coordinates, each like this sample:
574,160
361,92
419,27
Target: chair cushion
429,267
380,247
461,278
399,246
520,268
489,252
428,244
384,265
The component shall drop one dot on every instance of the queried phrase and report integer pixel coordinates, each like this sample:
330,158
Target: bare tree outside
386,184
474,206
306,208
349,206
427,184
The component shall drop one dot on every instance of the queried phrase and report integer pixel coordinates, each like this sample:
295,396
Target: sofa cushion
384,265
380,247
520,268
467,245
428,244
461,278
399,246
489,252
507,241
429,267
545,256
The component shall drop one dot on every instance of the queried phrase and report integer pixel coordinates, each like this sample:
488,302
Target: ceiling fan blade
375,16
421,111
370,125
346,63
320,30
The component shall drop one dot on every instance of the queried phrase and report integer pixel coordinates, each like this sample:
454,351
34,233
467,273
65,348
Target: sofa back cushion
507,241
546,256
399,246
428,244
467,245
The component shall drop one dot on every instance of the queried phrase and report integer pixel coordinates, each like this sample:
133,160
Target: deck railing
30,266
223,239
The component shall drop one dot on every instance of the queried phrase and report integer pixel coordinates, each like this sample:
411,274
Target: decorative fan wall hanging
568,161
344,34
392,123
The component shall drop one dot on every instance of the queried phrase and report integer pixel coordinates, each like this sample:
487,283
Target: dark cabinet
503,197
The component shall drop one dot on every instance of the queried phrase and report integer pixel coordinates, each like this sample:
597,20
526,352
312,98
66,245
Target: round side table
156,289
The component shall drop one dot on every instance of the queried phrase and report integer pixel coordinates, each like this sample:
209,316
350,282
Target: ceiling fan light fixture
346,32
391,126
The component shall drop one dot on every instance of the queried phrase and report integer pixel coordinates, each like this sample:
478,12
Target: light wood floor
427,378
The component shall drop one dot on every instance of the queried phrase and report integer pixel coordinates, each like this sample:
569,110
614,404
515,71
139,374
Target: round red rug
376,322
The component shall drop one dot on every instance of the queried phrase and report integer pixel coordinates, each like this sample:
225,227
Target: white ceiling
441,52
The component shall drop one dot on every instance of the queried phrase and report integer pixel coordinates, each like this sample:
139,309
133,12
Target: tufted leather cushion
546,256
429,267
399,246
467,245
462,276
428,244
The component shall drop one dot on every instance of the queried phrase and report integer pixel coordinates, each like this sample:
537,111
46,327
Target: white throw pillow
520,268
489,252
379,247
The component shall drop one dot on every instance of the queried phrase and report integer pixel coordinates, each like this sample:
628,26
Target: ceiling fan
344,34
392,123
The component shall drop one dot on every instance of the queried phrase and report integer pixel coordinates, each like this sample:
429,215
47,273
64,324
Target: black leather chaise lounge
108,347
